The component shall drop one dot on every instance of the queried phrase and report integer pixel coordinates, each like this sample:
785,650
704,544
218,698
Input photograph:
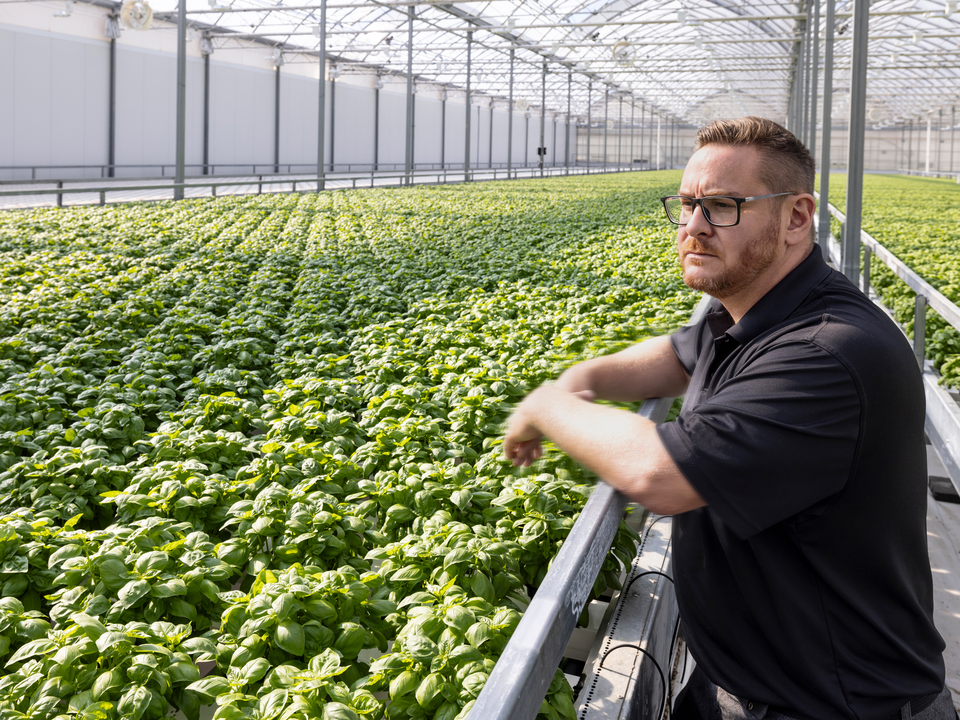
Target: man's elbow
664,491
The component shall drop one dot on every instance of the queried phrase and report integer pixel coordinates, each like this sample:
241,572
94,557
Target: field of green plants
918,219
247,443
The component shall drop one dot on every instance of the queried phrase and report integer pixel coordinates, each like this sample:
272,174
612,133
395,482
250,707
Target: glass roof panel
694,60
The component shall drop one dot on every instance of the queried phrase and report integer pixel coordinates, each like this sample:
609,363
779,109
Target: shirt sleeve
686,343
774,440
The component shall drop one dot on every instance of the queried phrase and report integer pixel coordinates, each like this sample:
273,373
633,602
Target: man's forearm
648,369
621,447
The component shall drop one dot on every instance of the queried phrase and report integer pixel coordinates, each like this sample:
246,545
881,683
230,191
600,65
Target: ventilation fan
624,52
136,14
522,104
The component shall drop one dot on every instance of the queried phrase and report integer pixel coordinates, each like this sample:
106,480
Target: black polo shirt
805,582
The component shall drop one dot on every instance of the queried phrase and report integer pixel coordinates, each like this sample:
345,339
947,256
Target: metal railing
304,183
931,173
227,169
520,679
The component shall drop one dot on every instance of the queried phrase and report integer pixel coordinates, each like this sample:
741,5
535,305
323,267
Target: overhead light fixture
206,45
277,57
378,83
949,7
698,43
511,24
316,30
682,16
67,10
917,36
334,72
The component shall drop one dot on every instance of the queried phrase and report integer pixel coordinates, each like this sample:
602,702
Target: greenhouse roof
693,60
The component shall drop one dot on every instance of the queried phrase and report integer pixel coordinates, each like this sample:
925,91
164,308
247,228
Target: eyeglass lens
718,210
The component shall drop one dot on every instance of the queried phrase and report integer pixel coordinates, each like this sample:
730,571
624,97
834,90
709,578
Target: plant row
250,445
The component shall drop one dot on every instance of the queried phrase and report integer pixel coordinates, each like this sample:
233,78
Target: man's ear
802,208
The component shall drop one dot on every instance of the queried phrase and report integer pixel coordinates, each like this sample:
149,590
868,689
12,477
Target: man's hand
523,442
621,447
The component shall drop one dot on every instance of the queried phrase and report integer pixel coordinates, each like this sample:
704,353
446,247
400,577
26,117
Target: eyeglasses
719,210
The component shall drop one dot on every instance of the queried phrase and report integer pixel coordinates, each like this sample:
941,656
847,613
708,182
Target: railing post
866,271
59,194
920,328
103,197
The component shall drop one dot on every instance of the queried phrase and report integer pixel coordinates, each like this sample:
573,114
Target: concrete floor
943,542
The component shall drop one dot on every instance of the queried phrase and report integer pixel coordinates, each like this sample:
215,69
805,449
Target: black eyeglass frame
699,201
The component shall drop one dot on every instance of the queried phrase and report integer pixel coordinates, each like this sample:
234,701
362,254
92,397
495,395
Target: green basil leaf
209,688
403,683
289,636
254,670
478,634
338,711
132,593
428,689
134,702
272,704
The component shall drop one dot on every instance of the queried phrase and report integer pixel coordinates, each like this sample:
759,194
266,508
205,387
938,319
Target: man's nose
697,224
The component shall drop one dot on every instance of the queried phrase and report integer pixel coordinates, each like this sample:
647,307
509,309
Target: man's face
723,261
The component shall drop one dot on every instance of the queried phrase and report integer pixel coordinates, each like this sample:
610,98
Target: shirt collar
777,304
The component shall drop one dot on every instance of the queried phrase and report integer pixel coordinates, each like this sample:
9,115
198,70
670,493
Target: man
796,469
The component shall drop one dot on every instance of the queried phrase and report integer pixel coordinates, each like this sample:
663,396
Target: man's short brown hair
787,165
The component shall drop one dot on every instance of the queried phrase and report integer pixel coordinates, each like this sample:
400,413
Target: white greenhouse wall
53,101
54,109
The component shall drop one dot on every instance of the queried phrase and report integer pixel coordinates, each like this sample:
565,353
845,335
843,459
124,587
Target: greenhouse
281,281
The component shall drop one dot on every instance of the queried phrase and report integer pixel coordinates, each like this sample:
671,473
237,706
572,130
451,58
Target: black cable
648,572
663,681
673,650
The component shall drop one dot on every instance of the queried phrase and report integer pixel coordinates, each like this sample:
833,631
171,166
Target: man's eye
723,204
686,204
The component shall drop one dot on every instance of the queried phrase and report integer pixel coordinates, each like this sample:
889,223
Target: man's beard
757,256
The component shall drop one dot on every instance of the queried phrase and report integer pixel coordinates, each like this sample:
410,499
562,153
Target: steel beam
276,119
510,118
466,129
541,149
181,95
376,127
322,96
824,225
815,70
606,122
566,140
408,155
333,122
850,257
206,113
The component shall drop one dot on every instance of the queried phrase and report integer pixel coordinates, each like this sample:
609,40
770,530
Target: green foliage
247,444
918,219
